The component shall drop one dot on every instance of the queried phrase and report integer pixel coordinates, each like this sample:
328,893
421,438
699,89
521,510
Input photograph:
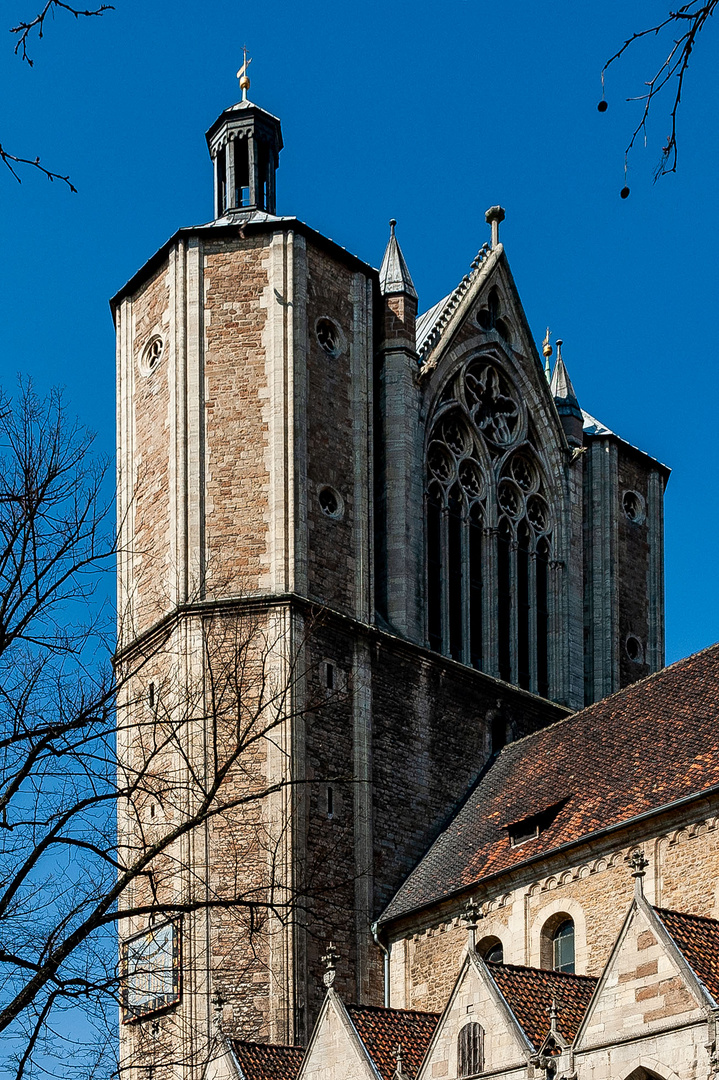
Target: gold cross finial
242,73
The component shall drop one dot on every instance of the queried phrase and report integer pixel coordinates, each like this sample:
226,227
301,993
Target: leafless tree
24,31
678,33
87,739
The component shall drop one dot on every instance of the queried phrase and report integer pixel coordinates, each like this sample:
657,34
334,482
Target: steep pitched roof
382,1030
263,1061
431,323
697,938
529,992
633,753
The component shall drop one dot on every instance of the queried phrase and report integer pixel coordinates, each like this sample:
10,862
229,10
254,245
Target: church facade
396,534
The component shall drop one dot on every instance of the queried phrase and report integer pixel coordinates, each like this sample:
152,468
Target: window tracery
489,529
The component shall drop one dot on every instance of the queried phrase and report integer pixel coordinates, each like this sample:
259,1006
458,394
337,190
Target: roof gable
476,998
659,739
483,318
644,987
335,1049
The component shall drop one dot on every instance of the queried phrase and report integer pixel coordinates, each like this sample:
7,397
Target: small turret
566,401
400,295
244,144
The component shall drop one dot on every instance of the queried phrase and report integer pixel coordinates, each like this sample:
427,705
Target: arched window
491,950
488,530
470,1050
563,947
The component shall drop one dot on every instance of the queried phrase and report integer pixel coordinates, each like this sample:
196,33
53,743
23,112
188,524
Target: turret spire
566,401
394,275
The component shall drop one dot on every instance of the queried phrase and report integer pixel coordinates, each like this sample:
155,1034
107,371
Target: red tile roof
698,939
529,993
382,1030
263,1061
651,744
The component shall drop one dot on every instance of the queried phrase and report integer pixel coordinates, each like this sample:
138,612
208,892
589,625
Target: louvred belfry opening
244,144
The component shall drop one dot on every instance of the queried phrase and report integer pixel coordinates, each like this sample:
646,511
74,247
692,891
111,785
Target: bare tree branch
689,19
25,29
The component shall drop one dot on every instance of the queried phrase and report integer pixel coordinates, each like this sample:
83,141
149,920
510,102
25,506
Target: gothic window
456,493
563,947
488,531
470,1050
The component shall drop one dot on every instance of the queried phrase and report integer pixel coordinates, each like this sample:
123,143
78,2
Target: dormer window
529,827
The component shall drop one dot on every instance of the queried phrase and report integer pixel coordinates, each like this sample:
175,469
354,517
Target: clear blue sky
425,112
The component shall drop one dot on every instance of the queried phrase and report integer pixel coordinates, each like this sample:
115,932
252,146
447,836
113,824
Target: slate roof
381,1030
263,1061
529,993
633,753
394,275
697,938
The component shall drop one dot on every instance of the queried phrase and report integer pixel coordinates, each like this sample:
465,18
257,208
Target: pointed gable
359,1042
477,1000
643,988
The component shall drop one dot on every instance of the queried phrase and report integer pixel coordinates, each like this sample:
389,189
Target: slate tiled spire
566,400
394,275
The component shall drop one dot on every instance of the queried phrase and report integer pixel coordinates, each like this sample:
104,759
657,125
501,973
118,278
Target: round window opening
635,650
152,355
331,503
329,337
633,505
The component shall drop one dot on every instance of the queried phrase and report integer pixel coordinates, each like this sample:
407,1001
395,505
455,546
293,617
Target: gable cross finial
471,915
218,1004
330,961
553,1016
639,865
242,73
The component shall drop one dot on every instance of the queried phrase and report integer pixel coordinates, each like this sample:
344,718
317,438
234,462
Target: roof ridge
269,1046
452,301
542,971
686,915
389,1009
625,690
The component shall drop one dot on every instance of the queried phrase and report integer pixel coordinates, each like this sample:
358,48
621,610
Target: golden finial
547,350
242,74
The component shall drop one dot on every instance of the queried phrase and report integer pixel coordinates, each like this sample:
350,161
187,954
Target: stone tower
392,522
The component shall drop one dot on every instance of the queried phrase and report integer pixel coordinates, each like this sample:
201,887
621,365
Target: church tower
360,550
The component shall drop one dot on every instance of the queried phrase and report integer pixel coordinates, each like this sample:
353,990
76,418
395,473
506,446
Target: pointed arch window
470,1050
488,531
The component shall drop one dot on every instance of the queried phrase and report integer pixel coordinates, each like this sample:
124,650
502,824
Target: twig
25,29
693,16
11,160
